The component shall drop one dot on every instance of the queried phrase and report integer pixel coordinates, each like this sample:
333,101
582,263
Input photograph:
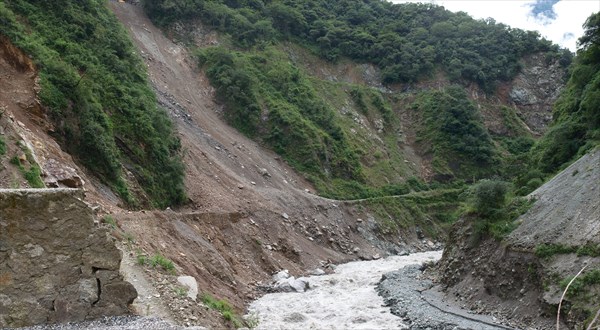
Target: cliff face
55,265
535,89
558,236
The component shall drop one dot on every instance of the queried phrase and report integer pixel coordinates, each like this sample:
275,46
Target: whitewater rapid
345,299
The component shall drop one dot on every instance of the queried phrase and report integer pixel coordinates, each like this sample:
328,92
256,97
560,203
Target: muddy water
343,300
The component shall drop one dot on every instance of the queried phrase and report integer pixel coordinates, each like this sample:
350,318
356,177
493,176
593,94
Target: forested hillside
95,88
406,41
265,75
576,124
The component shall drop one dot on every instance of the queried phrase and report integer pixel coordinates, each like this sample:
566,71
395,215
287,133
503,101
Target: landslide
288,78
249,213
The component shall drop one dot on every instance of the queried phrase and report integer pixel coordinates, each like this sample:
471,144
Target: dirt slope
249,213
511,280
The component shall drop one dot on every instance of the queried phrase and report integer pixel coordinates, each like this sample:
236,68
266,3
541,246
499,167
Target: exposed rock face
55,265
535,90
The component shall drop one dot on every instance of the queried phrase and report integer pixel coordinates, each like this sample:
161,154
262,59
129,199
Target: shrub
489,197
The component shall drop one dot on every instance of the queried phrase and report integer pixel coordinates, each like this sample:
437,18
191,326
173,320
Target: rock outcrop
535,89
55,264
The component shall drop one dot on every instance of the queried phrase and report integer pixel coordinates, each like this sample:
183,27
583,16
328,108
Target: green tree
488,197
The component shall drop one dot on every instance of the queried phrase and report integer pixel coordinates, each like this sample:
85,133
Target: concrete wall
55,264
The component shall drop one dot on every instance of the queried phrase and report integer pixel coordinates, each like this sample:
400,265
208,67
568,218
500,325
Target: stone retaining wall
56,265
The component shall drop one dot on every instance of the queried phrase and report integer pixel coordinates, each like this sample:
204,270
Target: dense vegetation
406,41
95,87
271,99
455,133
576,118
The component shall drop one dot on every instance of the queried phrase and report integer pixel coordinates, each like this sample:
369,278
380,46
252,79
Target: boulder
190,283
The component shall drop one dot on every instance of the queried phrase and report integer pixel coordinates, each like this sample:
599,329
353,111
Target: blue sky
557,20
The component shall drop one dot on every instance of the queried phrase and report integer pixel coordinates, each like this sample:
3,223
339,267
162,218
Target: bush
488,197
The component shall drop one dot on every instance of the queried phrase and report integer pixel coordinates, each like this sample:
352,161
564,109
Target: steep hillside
289,82
532,262
94,89
530,268
264,107
576,125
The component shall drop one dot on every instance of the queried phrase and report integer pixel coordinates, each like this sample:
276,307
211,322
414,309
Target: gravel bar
405,291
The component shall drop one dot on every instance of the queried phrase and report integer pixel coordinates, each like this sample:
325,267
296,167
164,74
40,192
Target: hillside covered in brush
351,137
100,103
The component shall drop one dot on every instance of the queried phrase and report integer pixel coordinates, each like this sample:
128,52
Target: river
345,299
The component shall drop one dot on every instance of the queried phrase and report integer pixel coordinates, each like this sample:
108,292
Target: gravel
410,297
115,323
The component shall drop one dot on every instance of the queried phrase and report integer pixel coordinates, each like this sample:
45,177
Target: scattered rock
282,275
285,216
190,283
295,318
317,272
263,171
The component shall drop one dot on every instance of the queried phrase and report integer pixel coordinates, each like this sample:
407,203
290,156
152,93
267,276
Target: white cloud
570,16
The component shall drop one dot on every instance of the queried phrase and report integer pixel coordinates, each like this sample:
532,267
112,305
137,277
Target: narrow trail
148,301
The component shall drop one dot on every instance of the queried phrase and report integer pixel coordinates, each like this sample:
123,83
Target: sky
557,20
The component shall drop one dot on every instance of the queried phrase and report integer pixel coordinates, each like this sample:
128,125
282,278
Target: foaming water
344,300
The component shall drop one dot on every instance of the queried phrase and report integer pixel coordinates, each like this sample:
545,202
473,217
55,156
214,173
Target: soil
507,279
249,214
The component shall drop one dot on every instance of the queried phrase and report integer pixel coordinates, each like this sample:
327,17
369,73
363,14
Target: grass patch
582,283
109,220
584,295
2,146
224,308
155,261
180,291
548,250
432,211
31,174
142,260
164,263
